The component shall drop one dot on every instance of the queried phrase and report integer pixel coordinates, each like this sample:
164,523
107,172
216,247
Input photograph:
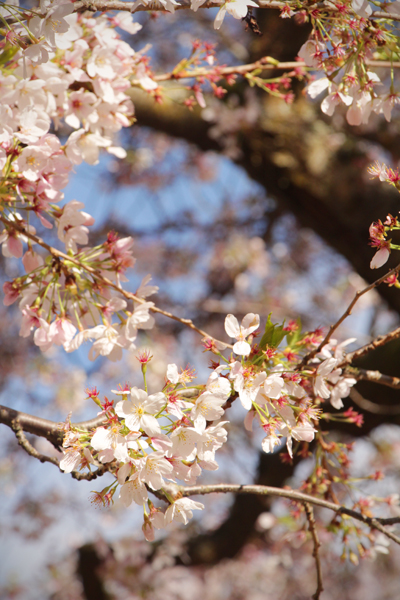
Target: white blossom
208,407
139,411
250,323
181,510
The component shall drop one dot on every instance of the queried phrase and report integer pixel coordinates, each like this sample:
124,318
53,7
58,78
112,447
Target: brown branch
50,430
390,521
106,5
265,490
267,63
27,446
121,5
377,377
29,449
376,343
54,431
91,475
344,316
317,544
97,275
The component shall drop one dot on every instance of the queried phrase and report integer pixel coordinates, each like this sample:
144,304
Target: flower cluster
150,440
378,233
75,76
281,398
341,44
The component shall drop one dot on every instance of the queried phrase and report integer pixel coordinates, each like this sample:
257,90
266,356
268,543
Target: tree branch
377,377
50,430
27,446
264,490
54,431
317,545
381,340
106,5
267,63
344,316
29,449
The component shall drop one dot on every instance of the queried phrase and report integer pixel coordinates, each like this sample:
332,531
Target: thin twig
317,544
265,490
107,282
344,316
376,343
266,63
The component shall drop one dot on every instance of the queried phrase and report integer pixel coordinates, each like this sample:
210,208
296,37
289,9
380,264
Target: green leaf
273,335
8,54
292,337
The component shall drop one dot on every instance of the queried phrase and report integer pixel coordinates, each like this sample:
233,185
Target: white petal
242,348
316,87
380,258
232,326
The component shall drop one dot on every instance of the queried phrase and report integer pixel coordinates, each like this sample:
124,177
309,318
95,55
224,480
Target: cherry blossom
184,442
109,341
109,443
212,438
133,490
290,429
270,442
139,411
324,369
248,387
341,389
140,319
182,510
249,324
208,407
152,468
237,8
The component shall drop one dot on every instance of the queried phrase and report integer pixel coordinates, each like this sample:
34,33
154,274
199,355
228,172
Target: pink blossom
152,468
62,331
43,335
380,258
125,21
31,261
11,292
